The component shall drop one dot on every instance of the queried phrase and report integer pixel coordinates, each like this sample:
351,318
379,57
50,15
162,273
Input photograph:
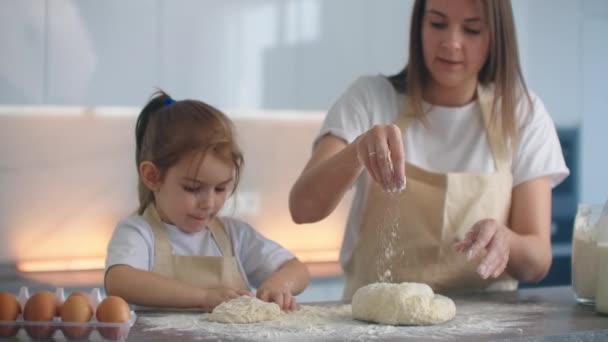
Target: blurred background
75,73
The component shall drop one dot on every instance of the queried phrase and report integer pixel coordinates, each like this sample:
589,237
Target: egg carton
72,331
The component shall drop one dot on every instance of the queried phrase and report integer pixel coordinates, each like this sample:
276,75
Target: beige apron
202,271
408,236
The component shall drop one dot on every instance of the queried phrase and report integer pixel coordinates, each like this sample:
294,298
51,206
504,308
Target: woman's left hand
492,237
284,298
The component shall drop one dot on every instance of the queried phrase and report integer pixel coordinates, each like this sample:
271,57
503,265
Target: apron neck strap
495,140
220,236
162,247
493,130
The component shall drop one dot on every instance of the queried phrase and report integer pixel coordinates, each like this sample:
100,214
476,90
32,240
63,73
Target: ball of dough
245,309
401,304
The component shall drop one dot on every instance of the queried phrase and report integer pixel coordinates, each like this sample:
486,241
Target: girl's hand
284,298
215,297
380,150
492,237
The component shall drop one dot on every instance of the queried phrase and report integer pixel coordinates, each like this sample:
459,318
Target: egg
76,309
113,309
9,311
9,307
41,307
77,293
80,293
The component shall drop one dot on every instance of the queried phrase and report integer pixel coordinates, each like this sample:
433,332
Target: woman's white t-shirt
454,141
132,244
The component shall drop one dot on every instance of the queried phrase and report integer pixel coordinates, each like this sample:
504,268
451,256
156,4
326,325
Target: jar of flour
585,257
601,291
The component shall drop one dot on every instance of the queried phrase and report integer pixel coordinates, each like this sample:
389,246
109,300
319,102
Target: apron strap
405,117
163,263
221,237
163,246
495,136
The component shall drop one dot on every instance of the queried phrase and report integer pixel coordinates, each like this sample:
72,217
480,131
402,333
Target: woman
478,152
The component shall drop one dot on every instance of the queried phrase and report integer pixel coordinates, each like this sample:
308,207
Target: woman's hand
380,150
215,297
284,298
492,237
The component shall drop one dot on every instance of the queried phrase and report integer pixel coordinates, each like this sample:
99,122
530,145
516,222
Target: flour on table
401,304
324,322
245,309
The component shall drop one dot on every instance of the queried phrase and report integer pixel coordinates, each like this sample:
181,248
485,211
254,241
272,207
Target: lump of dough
245,309
401,304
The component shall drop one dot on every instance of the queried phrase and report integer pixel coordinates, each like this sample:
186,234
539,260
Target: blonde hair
167,130
502,68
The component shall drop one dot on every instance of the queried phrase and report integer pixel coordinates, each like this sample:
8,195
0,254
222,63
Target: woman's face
455,41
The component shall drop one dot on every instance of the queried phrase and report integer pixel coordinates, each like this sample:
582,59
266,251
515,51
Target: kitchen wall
68,176
274,65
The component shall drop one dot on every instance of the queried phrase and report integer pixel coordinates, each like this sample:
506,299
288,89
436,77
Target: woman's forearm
529,257
322,185
149,289
530,234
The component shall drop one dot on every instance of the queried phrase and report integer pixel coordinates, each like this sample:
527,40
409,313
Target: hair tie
168,101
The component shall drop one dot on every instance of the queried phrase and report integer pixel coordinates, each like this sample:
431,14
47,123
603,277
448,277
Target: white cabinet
22,52
101,52
278,54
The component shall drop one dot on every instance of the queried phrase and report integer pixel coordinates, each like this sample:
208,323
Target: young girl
479,152
176,252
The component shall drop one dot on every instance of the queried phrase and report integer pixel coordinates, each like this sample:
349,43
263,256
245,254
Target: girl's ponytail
158,100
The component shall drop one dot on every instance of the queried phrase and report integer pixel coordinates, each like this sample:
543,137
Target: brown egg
76,309
9,307
40,307
113,309
80,293
77,293
9,311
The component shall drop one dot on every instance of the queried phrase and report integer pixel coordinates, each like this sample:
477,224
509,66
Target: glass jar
585,253
601,291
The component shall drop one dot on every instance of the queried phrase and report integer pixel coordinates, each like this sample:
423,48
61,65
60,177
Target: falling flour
335,323
389,237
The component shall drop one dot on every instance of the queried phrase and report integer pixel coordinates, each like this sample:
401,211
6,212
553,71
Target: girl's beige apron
408,236
202,271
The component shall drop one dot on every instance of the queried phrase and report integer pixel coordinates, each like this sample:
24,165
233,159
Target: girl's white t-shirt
454,141
132,244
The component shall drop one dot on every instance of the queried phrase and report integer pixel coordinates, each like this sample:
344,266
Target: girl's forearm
292,276
149,289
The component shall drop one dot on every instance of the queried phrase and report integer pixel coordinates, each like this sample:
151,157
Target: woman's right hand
380,150
215,297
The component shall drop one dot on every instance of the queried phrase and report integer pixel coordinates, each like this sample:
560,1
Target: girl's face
192,192
455,41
